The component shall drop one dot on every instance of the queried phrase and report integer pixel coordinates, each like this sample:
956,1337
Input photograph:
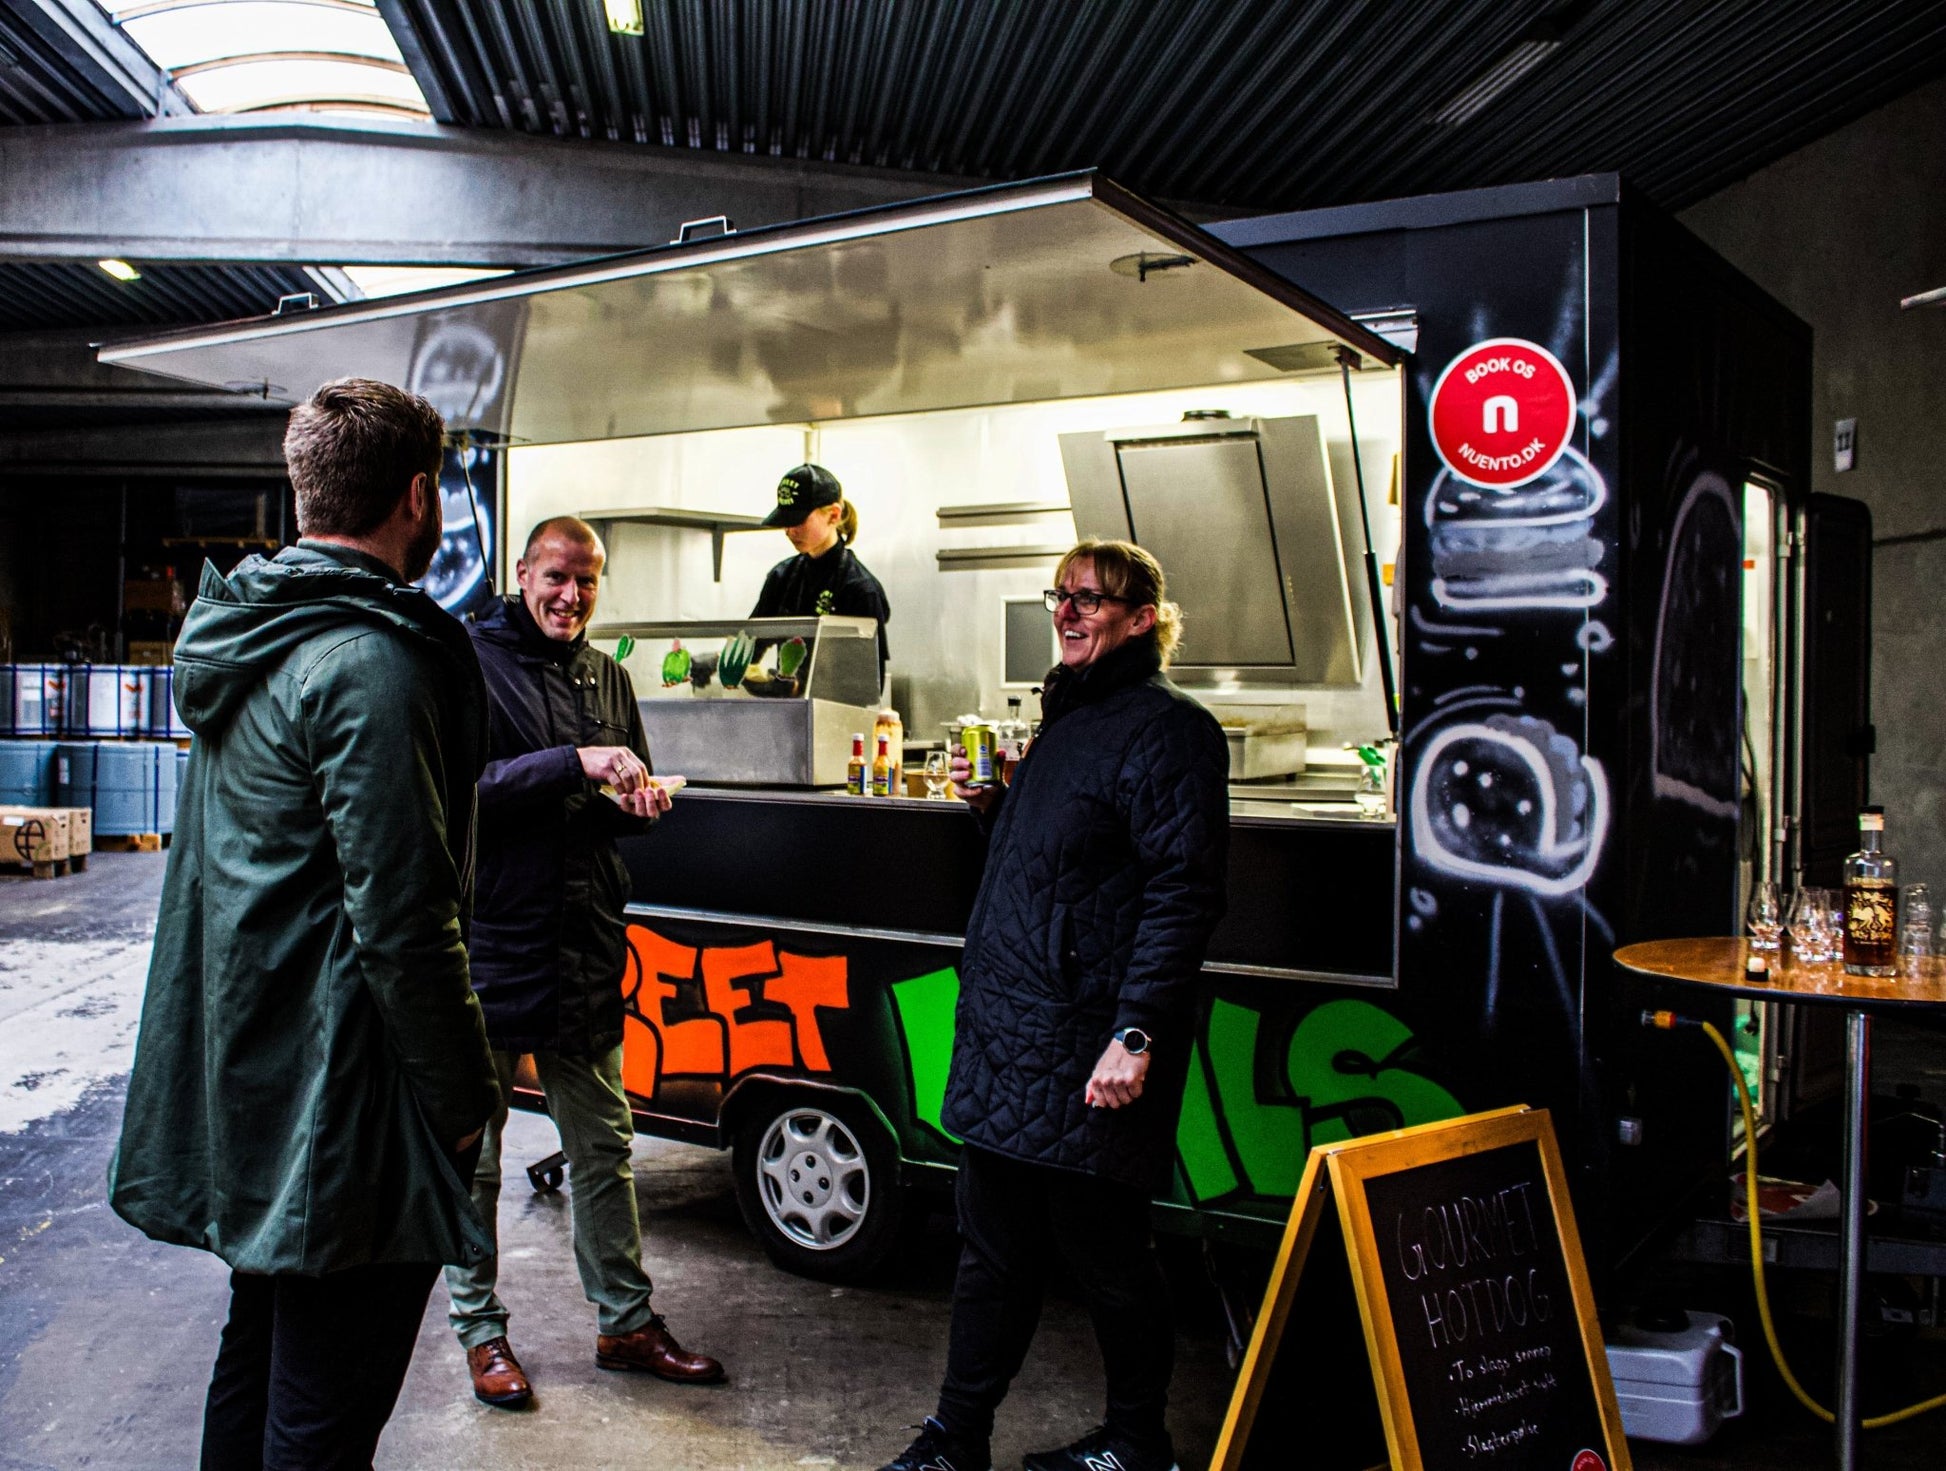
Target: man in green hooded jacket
312,1072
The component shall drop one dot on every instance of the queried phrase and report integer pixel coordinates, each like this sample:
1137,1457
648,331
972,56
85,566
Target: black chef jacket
805,586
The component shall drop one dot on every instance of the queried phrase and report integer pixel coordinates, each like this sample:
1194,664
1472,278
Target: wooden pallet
130,842
53,868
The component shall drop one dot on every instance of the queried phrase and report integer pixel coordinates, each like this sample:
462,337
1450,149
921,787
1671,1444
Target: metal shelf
972,559
999,513
716,523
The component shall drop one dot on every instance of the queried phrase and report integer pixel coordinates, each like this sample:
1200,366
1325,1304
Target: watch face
1134,1040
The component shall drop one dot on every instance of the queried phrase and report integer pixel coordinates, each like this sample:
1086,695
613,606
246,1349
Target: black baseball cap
801,492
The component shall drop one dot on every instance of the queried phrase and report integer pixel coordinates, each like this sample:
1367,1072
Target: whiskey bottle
1871,902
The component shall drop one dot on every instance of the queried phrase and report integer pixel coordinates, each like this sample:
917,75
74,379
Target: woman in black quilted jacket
1078,1000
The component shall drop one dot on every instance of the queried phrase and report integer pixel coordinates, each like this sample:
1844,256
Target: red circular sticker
1589,1461
1502,412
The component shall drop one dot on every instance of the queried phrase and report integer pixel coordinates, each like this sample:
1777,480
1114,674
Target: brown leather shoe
654,1350
497,1376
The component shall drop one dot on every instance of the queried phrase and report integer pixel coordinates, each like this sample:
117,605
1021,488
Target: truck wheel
818,1185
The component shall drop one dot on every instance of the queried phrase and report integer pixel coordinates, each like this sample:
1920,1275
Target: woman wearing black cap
825,576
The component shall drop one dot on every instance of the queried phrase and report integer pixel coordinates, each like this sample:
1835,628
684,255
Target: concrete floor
106,1338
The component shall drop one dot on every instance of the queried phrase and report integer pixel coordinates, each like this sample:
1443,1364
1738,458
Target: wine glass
1804,920
937,773
1766,916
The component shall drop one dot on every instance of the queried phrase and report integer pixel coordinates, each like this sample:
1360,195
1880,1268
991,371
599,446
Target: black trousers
310,1367
1016,1220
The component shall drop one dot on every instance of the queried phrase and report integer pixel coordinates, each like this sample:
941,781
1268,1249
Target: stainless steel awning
1056,288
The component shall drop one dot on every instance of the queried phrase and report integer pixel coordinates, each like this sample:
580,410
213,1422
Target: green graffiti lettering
1343,1068
1206,1171
926,1006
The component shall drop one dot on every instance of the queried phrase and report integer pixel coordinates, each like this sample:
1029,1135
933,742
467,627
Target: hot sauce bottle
857,774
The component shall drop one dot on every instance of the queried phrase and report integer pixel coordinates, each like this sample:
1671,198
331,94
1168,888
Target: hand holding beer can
981,744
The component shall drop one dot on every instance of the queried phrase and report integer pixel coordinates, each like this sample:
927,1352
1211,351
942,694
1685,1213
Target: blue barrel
161,704
31,698
106,700
131,785
27,773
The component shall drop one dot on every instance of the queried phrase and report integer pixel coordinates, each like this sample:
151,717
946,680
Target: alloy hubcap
815,1181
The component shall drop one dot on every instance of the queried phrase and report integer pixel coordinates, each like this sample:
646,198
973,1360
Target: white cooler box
1677,1387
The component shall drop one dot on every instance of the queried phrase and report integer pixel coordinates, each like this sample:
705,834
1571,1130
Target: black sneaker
935,1450
1098,1451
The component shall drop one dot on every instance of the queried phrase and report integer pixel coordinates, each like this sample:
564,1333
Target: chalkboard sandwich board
1472,1298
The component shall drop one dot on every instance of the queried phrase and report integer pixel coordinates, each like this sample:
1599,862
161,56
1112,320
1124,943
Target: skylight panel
194,34
253,86
376,281
266,55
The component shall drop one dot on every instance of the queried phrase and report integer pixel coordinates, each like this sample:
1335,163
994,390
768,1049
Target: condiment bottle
882,769
888,725
857,777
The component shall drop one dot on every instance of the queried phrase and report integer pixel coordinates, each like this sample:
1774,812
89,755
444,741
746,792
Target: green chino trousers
589,1108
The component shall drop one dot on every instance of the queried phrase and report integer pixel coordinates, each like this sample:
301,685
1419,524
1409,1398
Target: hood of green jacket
243,625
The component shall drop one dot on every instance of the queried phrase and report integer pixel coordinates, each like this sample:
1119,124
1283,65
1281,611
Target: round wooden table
1718,964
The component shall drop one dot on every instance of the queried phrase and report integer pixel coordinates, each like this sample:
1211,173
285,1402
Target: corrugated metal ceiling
49,73
1229,105
69,293
1242,104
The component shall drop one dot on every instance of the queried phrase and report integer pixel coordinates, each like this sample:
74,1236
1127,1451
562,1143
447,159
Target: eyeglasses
1085,599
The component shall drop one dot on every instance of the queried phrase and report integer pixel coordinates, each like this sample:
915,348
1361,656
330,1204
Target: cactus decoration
790,657
675,665
734,660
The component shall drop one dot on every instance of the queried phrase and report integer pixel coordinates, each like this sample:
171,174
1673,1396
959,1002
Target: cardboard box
81,829
33,835
151,595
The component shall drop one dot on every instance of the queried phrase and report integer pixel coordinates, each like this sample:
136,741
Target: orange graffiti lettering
688,1012
804,983
752,1043
693,1046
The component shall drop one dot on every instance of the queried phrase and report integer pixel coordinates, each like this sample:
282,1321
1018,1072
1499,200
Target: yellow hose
1877,1422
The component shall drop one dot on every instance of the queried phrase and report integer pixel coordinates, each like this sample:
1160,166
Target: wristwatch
1134,1040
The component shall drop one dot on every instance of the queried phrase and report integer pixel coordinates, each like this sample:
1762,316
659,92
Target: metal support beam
376,192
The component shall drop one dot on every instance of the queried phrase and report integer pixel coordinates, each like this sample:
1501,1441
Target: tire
817,1181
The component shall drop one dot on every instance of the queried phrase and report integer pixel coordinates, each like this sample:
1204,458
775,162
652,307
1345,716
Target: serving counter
788,943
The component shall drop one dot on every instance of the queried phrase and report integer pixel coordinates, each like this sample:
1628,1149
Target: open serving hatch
1056,288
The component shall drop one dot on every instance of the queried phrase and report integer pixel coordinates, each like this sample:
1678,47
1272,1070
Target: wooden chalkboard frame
1338,1173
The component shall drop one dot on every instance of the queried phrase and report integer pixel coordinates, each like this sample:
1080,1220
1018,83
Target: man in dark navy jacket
548,949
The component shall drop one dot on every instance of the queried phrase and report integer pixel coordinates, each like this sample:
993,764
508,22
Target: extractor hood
1057,288
1258,542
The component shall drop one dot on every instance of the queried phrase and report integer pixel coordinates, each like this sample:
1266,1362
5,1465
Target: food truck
1516,476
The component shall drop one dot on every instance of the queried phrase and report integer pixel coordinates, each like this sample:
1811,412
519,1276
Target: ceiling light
624,16
121,270
1496,79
